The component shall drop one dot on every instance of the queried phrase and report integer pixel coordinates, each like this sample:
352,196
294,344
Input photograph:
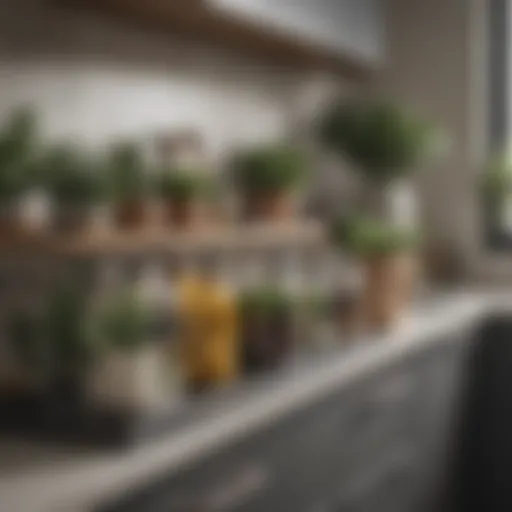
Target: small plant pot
70,219
130,381
131,214
181,213
269,206
389,282
267,339
10,223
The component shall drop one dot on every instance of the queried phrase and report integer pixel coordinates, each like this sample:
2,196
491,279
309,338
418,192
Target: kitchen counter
35,478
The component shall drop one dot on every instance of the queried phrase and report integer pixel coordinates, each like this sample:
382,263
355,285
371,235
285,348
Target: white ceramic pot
133,380
403,205
395,203
34,209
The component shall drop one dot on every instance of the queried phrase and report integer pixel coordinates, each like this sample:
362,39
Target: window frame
499,101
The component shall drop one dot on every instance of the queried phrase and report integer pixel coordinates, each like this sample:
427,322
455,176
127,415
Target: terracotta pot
266,339
71,218
10,224
388,288
130,214
268,206
181,213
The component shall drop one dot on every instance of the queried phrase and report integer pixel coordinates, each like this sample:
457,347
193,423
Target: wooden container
130,214
388,286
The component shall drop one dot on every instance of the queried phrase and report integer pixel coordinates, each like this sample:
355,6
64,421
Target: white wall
94,78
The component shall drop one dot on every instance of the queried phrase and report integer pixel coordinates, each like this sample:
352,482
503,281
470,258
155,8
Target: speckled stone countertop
41,478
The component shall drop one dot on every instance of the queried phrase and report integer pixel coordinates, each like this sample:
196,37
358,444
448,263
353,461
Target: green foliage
382,139
18,140
24,332
54,343
122,323
266,301
369,237
182,184
70,176
269,169
126,171
496,182
66,338
316,304
65,325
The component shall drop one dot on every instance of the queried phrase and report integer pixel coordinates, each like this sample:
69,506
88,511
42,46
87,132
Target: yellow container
208,317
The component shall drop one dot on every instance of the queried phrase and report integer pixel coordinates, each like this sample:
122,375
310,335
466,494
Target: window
498,214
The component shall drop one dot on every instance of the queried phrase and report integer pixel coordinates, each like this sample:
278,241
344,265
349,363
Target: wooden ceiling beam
195,20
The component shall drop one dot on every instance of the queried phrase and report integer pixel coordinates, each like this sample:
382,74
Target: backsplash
94,78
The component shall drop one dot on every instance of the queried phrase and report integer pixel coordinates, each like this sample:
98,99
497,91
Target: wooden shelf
193,19
161,241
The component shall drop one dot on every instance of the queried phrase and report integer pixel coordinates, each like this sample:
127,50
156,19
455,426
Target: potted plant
74,185
181,191
267,327
387,255
267,178
385,142
131,370
69,349
26,350
129,184
50,353
18,138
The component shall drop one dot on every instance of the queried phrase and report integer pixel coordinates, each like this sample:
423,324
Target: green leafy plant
369,237
18,141
53,344
126,171
383,139
71,177
269,170
182,184
70,348
122,323
266,301
496,182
